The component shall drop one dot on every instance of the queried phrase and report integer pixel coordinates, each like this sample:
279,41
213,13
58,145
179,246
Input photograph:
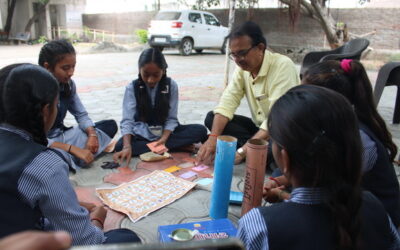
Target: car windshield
168,16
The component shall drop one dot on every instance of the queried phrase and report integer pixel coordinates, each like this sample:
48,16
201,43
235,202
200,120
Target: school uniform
151,130
41,185
303,222
76,135
380,177
36,193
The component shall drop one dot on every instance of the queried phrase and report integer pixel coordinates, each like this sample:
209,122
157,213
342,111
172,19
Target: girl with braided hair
4,72
317,147
150,111
349,78
88,140
35,190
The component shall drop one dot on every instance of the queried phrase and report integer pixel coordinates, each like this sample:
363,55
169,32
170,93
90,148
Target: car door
215,37
196,28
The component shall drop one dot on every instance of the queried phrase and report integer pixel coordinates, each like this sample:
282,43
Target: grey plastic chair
389,75
350,50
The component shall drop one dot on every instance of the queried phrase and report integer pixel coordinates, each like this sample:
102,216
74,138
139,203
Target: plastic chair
389,75
350,50
21,37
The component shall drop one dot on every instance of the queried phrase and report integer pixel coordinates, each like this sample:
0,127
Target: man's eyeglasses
240,54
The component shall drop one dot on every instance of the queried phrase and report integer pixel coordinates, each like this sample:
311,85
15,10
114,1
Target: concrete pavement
101,80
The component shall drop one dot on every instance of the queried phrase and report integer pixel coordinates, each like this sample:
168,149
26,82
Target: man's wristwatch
241,152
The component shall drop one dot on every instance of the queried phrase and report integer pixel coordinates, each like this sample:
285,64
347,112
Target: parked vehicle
187,30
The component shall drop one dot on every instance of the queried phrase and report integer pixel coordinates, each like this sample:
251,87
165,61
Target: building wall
274,22
70,15
120,23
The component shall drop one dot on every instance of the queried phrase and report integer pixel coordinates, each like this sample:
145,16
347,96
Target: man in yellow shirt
262,77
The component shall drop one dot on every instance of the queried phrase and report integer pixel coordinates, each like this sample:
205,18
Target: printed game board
146,194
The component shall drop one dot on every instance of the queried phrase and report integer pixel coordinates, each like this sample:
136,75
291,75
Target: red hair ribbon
345,65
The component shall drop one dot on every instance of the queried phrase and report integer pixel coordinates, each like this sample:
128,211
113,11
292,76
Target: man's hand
206,152
125,155
240,154
35,240
92,144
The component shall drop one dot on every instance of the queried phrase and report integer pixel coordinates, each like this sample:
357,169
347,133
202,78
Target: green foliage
42,39
204,4
142,35
363,1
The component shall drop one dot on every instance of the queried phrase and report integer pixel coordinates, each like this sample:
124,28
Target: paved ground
101,79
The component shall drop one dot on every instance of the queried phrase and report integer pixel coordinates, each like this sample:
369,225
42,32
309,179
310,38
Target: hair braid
323,152
4,72
35,125
27,90
356,87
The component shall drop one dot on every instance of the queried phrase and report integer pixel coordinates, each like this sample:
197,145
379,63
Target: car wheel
223,48
198,51
186,47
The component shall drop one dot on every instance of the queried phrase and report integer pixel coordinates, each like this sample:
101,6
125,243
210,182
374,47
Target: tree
315,9
10,14
240,4
319,11
249,5
41,9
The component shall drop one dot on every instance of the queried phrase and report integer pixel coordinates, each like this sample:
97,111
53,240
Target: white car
187,30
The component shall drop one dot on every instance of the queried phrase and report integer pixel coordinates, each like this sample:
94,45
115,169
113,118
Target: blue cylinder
223,168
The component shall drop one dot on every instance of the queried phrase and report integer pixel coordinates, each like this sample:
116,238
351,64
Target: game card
172,169
188,175
205,181
157,149
200,168
146,194
186,165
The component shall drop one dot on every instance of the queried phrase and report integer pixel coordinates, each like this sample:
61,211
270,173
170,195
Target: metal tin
182,234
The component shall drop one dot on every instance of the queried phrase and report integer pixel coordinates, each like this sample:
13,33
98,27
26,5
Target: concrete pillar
47,24
3,13
1,21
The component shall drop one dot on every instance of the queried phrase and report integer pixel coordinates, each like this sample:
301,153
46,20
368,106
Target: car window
195,17
173,15
211,20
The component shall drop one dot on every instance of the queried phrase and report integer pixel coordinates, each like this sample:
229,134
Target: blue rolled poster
223,168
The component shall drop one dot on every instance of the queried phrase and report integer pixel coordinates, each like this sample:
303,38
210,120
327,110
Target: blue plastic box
211,229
